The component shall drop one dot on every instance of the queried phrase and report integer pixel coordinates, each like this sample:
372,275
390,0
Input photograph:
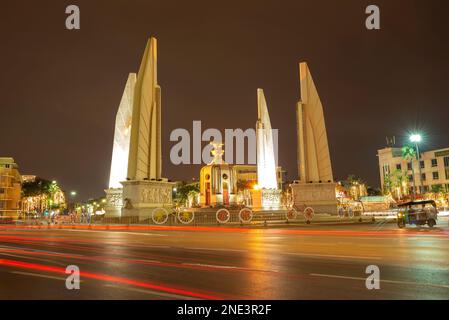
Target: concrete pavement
313,262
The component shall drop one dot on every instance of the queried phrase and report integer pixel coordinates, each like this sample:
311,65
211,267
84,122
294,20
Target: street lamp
416,138
73,193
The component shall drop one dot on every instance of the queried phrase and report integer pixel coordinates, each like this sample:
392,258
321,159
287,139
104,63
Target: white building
433,168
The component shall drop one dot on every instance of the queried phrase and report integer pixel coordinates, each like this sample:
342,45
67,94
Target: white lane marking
211,266
332,256
32,258
116,231
143,234
161,294
385,281
226,267
216,249
40,275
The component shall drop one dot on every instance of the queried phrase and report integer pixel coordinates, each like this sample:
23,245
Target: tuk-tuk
417,213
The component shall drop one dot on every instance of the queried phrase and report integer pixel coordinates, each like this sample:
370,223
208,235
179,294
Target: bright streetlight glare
73,193
415,138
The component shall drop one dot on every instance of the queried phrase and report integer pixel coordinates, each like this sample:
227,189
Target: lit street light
416,138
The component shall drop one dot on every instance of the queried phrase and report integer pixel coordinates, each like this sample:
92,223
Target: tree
38,187
408,152
387,184
373,191
436,188
183,191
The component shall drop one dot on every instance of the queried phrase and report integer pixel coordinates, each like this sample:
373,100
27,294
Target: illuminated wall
314,163
266,164
122,135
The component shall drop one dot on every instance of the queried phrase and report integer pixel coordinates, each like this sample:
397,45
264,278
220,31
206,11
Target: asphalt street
310,262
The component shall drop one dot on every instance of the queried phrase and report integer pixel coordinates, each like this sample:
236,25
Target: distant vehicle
417,213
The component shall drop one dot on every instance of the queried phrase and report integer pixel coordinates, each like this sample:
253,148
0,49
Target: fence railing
198,217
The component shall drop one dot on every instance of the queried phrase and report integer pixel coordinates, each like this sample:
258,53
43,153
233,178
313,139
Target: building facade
10,188
402,176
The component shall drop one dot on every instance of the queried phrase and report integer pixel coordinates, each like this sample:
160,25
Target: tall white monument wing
145,150
313,149
266,164
122,135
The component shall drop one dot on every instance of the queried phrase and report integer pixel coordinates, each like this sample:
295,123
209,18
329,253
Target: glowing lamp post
416,139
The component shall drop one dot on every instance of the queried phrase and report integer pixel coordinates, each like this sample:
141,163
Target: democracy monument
136,185
137,188
315,187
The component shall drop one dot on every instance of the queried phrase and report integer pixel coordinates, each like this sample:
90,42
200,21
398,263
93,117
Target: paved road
311,262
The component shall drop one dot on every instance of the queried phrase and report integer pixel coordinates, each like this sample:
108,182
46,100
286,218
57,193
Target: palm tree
398,182
387,184
409,153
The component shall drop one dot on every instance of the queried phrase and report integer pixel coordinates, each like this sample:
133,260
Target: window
409,166
446,171
398,166
410,178
434,163
423,177
435,175
421,164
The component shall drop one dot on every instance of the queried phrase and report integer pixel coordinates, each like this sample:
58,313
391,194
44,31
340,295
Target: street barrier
223,215
186,217
159,215
245,215
210,216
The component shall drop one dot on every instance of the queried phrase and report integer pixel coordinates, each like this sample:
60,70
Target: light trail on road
253,264
109,278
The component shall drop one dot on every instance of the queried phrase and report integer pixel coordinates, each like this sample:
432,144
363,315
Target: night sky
60,89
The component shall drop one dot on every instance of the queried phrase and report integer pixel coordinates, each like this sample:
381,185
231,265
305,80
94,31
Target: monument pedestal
266,199
256,199
271,199
320,196
114,202
140,197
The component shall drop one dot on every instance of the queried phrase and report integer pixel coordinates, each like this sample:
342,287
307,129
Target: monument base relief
319,196
141,197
